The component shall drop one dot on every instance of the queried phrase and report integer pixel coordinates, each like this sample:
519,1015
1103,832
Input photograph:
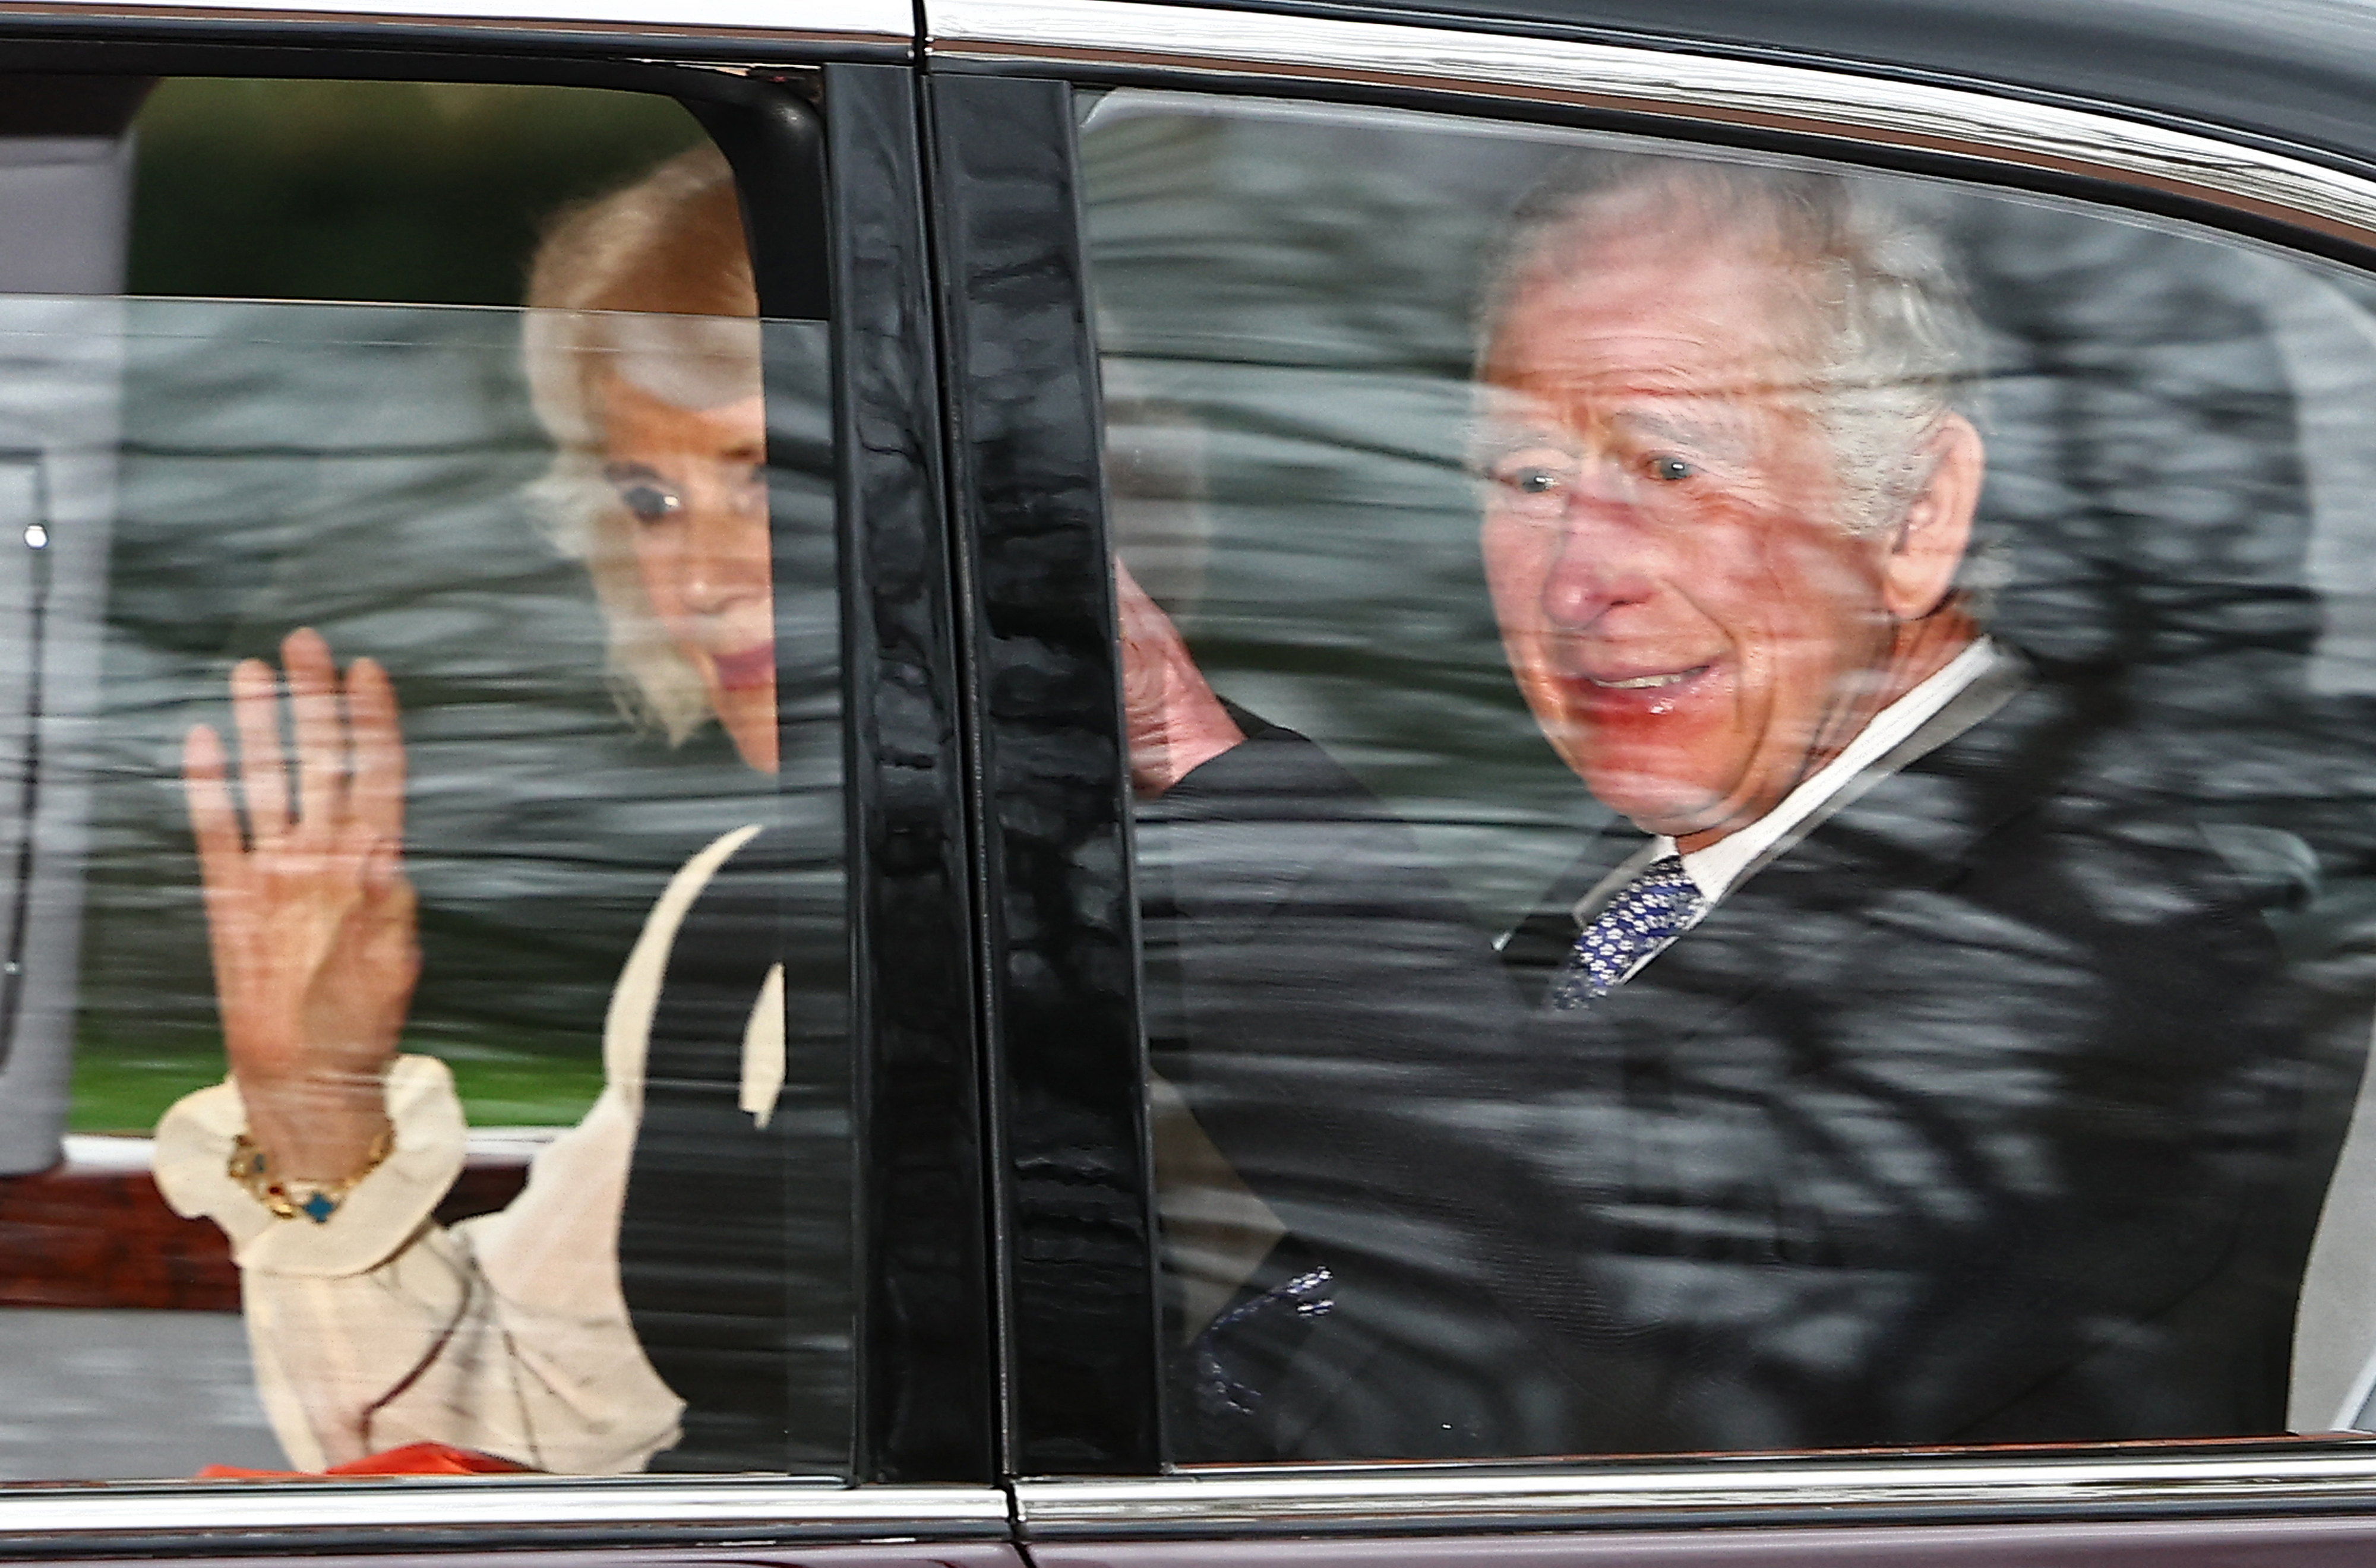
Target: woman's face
695,482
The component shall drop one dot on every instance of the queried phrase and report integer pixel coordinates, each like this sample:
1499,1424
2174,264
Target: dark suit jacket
1973,1116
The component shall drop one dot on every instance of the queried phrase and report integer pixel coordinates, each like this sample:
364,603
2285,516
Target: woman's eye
1668,468
649,502
1532,480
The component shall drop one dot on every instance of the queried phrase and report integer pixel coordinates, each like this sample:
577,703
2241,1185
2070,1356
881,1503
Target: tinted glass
1754,796
430,711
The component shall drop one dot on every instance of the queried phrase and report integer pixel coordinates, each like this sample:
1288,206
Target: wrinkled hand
1175,722
309,913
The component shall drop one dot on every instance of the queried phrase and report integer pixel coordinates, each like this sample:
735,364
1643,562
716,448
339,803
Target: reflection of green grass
521,1089
124,1088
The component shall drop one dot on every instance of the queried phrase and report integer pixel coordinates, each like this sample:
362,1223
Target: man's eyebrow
1498,431
1707,424
1491,438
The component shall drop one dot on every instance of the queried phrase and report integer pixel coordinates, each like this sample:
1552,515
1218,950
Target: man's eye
1532,480
1668,468
649,502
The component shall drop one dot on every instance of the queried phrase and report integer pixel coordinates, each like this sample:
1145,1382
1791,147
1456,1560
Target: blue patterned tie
1647,913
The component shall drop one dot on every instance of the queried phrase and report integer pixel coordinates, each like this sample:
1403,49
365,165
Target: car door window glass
419,679
1753,795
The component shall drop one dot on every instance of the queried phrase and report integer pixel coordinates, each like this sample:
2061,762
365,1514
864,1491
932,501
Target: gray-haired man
1889,1081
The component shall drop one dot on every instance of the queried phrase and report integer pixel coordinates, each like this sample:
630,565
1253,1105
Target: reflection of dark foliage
1300,291
2146,467
2149,468
362,190
1970,1120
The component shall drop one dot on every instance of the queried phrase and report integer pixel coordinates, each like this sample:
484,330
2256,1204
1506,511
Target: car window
1753,801
425,1007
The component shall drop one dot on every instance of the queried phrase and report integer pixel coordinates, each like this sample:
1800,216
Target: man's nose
1606,557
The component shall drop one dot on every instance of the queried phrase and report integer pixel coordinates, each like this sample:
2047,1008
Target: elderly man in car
1882,1076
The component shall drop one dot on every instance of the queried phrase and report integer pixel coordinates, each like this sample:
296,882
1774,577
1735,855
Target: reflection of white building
60,364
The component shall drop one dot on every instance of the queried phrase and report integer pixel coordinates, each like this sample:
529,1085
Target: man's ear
1928,545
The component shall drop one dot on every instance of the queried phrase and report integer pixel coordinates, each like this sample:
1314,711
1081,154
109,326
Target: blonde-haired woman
325,1151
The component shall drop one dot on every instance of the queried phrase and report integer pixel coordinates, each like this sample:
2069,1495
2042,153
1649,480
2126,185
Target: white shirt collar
1718,867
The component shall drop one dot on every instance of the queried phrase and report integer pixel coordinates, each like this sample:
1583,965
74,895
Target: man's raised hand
1175,722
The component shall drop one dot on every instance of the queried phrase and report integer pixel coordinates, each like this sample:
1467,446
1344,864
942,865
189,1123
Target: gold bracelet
315,1201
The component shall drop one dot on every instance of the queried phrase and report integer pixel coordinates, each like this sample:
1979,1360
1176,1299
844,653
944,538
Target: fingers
321,736
377,793
1175,722
1156,668
1142,623
350,763
379,859
349,754
214,822
1126,586
1148,630
263,778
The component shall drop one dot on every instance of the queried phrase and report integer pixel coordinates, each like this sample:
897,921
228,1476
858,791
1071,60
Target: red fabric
412,1459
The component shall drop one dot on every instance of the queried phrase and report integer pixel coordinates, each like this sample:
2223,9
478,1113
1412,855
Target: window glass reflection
1750,797
430,715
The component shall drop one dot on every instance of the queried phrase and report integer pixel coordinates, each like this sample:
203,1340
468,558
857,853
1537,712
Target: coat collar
1914,818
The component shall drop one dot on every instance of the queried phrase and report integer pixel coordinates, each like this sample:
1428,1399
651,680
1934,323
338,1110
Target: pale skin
704,563
309,914
1694,617
1694,620
1176,723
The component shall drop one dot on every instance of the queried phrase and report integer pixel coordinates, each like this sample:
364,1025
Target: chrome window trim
872,23
488,1511
1247,48
1419,1499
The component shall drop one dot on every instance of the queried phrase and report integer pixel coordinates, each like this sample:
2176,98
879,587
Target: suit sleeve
1956,1123
1327,1008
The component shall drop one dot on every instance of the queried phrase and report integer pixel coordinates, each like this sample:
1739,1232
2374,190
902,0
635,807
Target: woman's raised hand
309,913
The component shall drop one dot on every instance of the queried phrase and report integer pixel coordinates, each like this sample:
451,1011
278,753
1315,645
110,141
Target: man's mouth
747,669
1647,682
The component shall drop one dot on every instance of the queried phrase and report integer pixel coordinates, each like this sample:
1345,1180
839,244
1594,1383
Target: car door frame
1073,1188
924,1456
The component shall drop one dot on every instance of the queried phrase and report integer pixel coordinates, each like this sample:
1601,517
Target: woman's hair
669,248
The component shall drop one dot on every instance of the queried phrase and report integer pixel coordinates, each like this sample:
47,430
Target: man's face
1685,607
